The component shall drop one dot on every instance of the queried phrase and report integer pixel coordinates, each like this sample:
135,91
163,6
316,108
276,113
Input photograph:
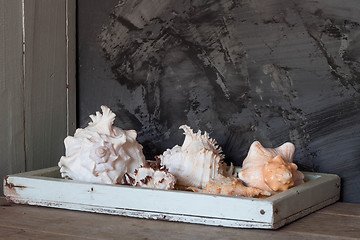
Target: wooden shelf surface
338,221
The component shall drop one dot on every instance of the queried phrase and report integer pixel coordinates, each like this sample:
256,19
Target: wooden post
37,73
12,127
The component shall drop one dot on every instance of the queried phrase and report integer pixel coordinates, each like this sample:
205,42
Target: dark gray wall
272,71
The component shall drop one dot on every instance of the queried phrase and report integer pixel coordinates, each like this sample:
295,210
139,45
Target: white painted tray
45,188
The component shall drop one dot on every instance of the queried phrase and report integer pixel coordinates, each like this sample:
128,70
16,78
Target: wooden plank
38,108
100,226
11,89
71,65
324,225
45,81
4,202
345,209
13,232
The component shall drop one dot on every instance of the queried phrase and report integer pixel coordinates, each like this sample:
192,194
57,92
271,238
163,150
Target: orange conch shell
271,169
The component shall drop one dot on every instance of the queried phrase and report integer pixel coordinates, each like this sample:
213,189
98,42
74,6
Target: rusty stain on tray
11,185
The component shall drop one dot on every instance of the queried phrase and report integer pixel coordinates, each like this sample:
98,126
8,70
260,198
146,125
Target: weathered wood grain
71,224
12,150
46,80
13,232
37,82
71,65
346,209
321,224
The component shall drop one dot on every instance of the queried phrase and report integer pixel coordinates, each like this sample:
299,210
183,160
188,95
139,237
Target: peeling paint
255,213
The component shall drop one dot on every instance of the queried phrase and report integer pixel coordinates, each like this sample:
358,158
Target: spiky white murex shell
197,161
101,152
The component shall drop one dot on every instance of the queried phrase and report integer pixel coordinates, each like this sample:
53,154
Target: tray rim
269,203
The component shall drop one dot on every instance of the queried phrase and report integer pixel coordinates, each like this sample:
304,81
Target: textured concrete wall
272,71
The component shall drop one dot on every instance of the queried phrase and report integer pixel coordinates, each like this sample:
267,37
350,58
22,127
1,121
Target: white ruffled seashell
149,177
101,152
197,161
271,169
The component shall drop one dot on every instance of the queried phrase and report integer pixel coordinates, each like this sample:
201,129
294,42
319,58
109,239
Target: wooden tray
46,188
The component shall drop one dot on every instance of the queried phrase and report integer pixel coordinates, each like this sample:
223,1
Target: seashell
101,152
230,186
197,161
271,169
150,177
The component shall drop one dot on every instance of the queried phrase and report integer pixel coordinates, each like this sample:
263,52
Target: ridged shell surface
101,152
198,160
271,169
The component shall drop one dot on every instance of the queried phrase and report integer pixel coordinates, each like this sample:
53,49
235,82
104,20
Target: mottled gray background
272,71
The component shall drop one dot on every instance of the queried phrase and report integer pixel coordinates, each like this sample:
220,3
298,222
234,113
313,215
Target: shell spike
103,122
187,130
196,161
270,169
286,150
101,152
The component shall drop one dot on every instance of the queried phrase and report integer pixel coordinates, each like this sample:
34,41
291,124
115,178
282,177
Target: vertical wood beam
71,65
12,150
37,82
46,80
